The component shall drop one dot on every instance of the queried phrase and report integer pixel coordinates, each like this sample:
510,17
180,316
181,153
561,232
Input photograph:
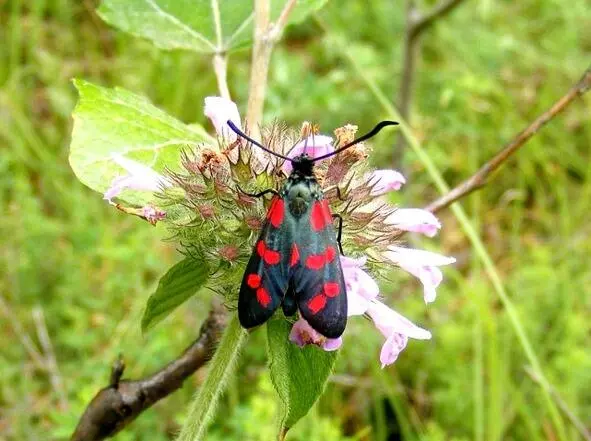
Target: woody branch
416,24
480,178
122,401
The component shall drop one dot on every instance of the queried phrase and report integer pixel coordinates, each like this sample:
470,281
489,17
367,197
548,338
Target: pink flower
303,334
313,145
396,328
361,288
383,181
219,110
421,264
139,177
415,220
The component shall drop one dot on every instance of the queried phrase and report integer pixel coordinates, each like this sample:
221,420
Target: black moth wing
267,273
317,278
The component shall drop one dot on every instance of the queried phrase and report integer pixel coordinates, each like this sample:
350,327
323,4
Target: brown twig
480,178
416,25
118,404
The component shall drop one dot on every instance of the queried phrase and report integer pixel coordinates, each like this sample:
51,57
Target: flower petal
303,334
313,145
421,264
332,344
415,220
383,181
219,110
360,286
389,321
392,347
417,257
139,177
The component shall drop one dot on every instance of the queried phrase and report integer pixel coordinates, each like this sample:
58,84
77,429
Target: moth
295,262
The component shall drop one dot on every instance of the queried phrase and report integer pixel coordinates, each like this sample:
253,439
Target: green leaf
109,122
191,24
298,374
176,286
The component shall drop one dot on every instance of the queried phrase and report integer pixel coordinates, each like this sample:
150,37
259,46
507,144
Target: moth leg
339,231
258,195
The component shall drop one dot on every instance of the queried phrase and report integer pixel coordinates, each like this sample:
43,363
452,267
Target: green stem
220,368
472,235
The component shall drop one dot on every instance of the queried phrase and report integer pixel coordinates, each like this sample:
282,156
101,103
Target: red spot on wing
317,303
315,261
261,248
330,253
317,220
276,212
326,212
263,297
271,257
253,280
295,255
331,289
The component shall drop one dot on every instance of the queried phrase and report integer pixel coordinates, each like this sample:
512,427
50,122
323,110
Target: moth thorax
299,197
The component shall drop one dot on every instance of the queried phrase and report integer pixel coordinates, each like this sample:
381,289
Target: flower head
218,182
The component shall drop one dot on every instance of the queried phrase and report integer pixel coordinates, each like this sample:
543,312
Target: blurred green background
72,266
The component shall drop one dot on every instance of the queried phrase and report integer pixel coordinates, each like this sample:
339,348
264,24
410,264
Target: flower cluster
220,222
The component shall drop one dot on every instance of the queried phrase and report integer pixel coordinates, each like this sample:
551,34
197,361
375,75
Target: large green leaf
298,374
110,122
191,24
176,286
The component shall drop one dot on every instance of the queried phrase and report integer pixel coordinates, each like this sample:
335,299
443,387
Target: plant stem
265,37
220,67
220,59
221,367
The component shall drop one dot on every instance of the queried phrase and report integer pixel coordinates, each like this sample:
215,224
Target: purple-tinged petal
139,177
303,334
383,181
314,146
219,110
153,214
388,321
332,344
418,257
360,286
392,347
396,328
415,220
421,264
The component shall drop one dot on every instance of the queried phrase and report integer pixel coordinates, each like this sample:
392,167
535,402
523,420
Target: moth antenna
252,141
368,135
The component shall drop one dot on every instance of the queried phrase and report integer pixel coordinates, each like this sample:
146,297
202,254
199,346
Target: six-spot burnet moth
295,262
